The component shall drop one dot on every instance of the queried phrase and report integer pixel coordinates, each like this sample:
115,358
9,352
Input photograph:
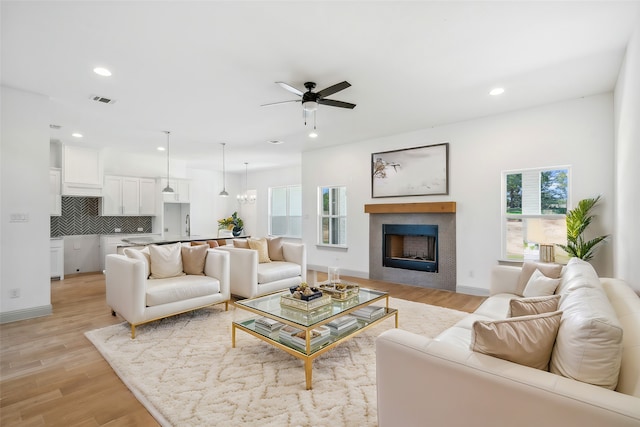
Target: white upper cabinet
55,191
181,190
81,171
128,196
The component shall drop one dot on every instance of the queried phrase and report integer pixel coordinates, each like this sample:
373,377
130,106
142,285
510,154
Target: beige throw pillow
275,248
241,243
141,255
550,270
526,340
540,285
531,306
166,261
193,259
261,246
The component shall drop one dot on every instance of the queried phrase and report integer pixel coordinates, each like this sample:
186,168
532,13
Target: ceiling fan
310,100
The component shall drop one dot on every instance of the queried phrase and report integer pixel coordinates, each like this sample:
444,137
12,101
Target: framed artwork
418,171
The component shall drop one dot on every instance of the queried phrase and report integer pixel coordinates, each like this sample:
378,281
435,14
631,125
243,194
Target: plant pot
236,231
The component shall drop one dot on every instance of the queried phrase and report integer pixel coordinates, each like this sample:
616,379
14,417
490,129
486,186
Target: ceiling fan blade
290,88
333,103
281,102
333,89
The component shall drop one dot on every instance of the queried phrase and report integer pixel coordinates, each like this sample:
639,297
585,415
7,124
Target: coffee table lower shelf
248,326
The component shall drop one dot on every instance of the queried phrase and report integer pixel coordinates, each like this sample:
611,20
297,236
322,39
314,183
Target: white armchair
138,299
250,279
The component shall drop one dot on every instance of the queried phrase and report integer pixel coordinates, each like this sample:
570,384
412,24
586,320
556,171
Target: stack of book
319,336
370,312
342,324
267,326
287,332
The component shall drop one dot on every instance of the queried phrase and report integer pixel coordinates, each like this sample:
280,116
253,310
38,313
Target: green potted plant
578,219
233,223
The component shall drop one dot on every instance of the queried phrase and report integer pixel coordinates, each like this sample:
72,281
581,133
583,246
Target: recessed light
276,142
102,71
160,148
496,91
313,135
76,135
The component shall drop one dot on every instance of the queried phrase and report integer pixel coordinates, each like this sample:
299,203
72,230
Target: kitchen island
163,240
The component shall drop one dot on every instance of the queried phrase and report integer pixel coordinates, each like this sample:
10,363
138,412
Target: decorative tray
289,301
339,291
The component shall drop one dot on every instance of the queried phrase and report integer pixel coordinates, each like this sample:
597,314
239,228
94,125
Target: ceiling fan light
310,106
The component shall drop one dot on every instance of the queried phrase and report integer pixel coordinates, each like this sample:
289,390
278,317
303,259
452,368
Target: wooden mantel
426,207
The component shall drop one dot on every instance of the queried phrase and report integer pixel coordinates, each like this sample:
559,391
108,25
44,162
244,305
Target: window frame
288,215
330,216
505,217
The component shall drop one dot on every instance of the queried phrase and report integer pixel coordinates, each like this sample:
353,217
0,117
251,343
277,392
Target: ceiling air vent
102,99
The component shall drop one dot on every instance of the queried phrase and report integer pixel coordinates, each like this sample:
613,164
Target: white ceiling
202,69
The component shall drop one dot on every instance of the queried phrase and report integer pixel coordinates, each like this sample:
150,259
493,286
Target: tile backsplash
80,215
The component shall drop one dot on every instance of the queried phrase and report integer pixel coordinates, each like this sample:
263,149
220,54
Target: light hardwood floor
50,374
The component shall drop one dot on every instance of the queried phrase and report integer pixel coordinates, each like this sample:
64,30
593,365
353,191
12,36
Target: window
534,206
332,206
285,211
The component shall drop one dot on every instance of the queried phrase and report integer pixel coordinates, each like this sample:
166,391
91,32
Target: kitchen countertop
159,240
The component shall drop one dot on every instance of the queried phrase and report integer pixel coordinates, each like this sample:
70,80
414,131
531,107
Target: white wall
627,166
24,182
576,132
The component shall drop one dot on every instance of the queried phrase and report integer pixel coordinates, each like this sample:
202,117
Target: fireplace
438,268
410,246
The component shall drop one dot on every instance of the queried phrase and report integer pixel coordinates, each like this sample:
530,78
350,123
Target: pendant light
223,193
168,188
245,197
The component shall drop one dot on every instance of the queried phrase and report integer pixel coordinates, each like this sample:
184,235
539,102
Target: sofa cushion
166,260
496,307
589,343
193,259
550,270
275,248
140,255
261,246
540,285
241,243
578,274
526,340
277,270
536,305
164,291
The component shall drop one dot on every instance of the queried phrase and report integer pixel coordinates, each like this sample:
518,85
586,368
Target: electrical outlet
140,229
117,230
14,293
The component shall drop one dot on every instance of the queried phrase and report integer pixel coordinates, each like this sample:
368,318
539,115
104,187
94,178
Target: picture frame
416,171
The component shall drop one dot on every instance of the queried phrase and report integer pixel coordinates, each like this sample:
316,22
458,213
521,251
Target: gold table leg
308,363
233,335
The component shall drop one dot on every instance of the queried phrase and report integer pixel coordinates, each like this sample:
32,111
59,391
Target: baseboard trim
343,271
24,314
470,290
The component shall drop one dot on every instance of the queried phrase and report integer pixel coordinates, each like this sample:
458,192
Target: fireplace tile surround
442,215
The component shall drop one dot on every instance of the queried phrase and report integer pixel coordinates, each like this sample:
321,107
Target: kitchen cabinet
57,258
81,171
181,188
55,192
128,196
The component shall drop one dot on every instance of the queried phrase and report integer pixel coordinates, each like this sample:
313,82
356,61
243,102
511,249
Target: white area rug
185,372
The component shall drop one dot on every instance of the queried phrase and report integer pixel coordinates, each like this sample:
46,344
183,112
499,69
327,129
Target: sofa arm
126,286
421,382
218,265
244,271
296,253
504,279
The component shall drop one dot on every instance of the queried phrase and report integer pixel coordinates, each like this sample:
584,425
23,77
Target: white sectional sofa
134,294
251,278
442,382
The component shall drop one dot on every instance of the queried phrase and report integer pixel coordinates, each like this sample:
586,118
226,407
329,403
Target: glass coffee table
312,338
